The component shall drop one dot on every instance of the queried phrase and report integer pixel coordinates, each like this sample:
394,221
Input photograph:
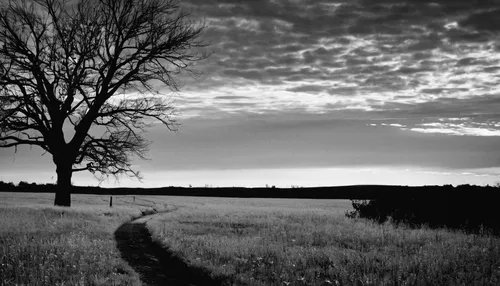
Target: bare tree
82,80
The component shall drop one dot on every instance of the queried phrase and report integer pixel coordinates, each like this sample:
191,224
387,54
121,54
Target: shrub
471,208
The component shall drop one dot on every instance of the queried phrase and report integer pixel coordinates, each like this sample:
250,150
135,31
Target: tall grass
303,244
57,246
252,241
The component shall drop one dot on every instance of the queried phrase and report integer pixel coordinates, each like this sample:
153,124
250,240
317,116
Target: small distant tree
82,79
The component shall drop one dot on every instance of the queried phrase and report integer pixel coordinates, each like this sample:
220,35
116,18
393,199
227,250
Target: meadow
45,245
246,241
311,242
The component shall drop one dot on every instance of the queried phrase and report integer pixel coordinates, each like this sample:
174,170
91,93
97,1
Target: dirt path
156,264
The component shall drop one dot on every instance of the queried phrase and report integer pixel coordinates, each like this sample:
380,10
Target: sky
315,93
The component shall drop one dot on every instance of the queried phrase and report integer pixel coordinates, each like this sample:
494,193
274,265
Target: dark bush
7,187
471,208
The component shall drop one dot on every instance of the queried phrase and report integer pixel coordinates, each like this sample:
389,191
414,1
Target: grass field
310,242
45,245
250,241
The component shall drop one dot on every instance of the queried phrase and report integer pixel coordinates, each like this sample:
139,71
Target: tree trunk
63,188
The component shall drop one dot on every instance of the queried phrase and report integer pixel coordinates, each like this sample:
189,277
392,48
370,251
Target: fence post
111,201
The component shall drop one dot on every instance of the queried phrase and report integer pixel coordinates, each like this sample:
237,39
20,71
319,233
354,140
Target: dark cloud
486,105
483,21
351,61
232,97
233,104
470,61
399,52
307,89
421,55
253,74
343,91
491,69
425,43
412,70
442,90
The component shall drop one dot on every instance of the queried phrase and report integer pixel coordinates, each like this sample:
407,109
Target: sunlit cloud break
452,126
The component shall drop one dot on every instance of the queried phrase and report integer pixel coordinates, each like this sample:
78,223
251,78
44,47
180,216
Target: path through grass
45,245
155,263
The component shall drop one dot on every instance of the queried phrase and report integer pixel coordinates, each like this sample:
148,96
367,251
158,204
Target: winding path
156,264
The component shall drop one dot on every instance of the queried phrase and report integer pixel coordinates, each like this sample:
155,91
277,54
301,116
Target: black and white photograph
249,142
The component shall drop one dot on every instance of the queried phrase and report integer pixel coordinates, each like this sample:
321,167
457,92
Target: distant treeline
384,194
470,208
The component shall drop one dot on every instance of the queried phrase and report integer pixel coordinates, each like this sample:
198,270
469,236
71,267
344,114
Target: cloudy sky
311,92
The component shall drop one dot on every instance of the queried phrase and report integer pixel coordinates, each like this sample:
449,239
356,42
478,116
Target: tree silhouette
82,80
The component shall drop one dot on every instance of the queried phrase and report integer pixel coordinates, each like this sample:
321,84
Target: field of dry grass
45,245
311,242
249,241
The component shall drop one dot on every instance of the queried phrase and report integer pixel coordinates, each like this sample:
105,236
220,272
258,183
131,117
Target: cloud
442,90
483,21
465,126
479,126
343,91
486,105
231,97
307,89
456,129
420,58
396,125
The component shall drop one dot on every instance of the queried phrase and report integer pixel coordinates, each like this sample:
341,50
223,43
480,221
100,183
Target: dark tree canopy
82,79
